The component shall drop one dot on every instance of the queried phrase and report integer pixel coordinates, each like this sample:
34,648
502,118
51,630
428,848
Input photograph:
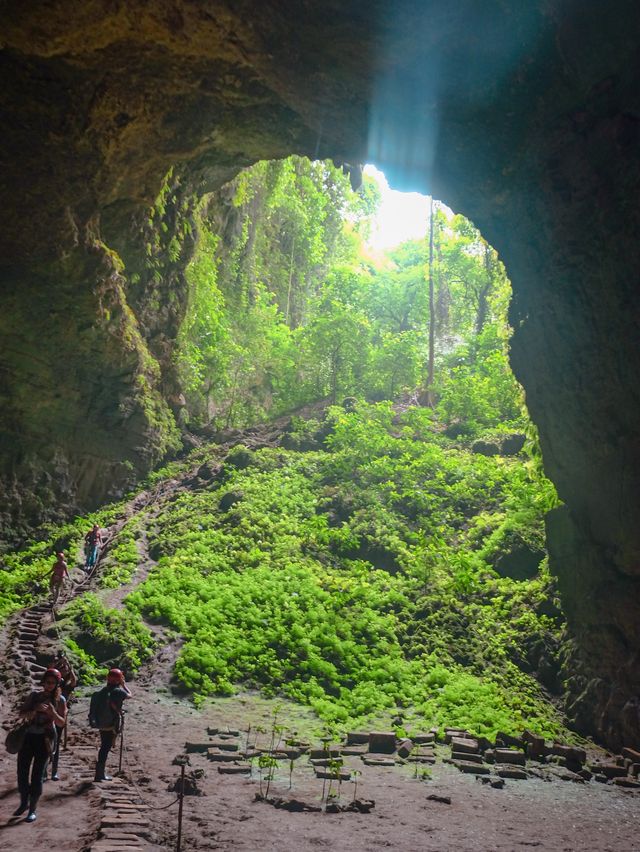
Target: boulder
231,498
512,444
520,563
485,448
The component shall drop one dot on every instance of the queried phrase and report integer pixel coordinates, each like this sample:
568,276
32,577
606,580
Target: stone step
234,768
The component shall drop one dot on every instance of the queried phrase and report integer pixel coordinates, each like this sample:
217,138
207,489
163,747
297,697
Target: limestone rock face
523,116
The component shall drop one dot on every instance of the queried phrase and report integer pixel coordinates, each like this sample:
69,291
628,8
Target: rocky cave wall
524,116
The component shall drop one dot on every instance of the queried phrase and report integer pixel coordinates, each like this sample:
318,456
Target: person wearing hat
105,713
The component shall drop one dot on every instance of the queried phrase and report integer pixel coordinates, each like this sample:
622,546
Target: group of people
60,570
45,712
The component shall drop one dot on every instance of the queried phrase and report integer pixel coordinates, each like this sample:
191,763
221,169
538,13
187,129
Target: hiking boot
55,777
32,817
101,775
23,806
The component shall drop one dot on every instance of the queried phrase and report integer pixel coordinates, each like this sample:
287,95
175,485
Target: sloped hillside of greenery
358,577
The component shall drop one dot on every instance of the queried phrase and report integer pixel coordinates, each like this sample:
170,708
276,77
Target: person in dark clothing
62,708
69,677
40,710
112,697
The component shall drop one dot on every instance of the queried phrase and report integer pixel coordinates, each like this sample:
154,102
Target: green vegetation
95,633
388,559
25,575
359,579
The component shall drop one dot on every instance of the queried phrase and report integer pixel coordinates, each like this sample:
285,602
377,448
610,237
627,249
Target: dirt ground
558,815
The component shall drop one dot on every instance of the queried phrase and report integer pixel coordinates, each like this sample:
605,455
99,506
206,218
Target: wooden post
181,799
121,744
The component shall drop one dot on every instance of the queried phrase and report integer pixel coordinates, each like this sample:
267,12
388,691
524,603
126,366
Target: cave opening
537,144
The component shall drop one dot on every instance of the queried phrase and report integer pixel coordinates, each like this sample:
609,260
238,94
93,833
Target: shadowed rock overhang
523,116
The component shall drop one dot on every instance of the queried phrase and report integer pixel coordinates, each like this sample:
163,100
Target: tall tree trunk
286,319
483,295
427,395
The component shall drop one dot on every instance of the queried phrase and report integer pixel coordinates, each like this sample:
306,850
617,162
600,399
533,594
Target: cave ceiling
525,116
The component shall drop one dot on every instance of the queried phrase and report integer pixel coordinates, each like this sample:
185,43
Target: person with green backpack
106,715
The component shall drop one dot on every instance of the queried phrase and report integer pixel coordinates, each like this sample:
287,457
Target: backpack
102,712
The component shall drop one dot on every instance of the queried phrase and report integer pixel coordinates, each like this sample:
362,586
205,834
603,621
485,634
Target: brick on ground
461,755
513,772
382,742
357,738
627,782
631,754
468,745
221,756
609,770
471,768
507,755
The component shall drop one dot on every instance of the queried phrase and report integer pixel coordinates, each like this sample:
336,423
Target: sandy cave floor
558,815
